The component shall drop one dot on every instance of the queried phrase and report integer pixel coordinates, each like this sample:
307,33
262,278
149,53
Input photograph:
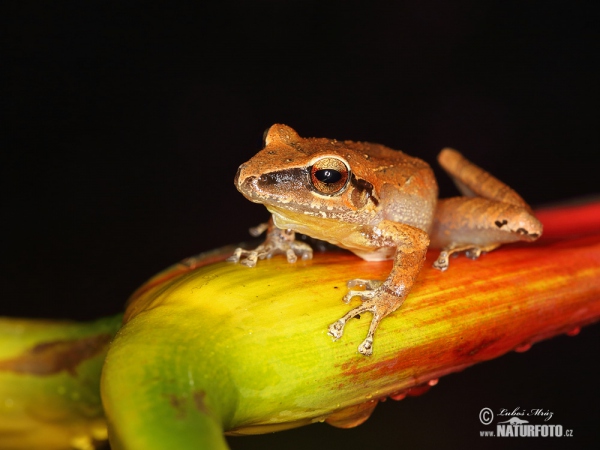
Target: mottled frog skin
380,204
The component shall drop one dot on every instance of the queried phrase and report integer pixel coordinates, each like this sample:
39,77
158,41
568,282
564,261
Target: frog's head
314,176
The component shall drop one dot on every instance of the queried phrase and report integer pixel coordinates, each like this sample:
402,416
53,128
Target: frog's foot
277,242
245,257
376,299
471,251
265,251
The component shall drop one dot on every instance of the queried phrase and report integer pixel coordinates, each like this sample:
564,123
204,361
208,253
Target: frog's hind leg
473,181
475,225
471,251
490,213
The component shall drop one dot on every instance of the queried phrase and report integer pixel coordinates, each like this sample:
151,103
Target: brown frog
380,204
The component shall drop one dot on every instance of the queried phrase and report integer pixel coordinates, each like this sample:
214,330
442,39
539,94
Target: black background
124,123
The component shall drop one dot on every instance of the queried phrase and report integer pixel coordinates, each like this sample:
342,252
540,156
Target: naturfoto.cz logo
517,426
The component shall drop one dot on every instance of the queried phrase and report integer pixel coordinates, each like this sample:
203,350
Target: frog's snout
237,175
244,182
241,176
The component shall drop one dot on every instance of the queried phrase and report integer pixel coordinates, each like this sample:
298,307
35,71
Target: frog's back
405,185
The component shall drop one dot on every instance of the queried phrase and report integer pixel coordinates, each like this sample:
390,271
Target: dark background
124,123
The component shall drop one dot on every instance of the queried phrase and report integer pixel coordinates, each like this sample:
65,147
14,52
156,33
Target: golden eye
329,175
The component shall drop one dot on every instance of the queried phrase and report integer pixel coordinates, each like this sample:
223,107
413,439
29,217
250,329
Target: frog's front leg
382,298
277,241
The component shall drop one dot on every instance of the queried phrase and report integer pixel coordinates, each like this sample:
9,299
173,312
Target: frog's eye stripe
329,175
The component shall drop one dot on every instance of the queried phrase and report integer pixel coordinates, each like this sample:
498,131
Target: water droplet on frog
574,332
522,348
433,381
369,396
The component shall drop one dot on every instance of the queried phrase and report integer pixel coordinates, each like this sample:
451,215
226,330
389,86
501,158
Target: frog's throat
351,236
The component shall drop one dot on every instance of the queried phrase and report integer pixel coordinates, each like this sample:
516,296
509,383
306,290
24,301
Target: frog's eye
329,175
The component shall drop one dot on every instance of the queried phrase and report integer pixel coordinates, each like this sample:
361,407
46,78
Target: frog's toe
244,257
235,258
250,259
366,348
305,253
442,262
291,256
473,253
336,329
302,250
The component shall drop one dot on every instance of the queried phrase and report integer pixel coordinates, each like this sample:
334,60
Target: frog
380,204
